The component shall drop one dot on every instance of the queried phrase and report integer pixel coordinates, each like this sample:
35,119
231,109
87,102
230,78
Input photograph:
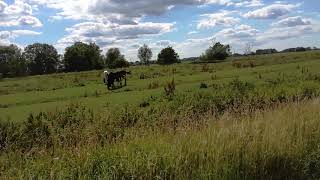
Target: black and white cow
111,77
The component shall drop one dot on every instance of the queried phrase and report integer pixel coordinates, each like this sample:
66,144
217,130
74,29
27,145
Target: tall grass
273,144
233,130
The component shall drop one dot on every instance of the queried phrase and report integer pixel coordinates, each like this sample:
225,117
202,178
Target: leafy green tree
145,54
41,58
168,56
83,57
114,59
216,52
11,61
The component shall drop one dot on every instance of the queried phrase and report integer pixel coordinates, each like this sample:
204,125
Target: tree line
39,59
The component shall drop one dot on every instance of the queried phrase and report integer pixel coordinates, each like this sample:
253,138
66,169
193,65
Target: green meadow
22,96
254,117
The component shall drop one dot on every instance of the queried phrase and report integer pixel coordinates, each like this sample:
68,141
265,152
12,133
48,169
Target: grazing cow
111,77
123,75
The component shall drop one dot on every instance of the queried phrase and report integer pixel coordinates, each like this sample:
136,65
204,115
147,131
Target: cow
110,78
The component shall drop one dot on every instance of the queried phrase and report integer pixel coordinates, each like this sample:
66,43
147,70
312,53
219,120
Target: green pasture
21,96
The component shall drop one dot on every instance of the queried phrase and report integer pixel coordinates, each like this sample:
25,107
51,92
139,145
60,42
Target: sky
190,26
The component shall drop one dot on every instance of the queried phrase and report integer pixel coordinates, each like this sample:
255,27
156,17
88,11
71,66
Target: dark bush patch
153,85
170,88
203,86
144,104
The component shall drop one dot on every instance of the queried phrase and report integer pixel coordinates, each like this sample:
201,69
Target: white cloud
164,43
250,3
107,35
283,33
240,35
218,19
139,8
3,6
193,32
292,21
17,14
271,12
29,21
93,29
237,33
121,11
193,47
7,37
22,21
18,33
110,10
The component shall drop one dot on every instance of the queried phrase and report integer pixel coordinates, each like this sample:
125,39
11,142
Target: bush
143,76
239,87
216,52
9,133
252,64
169,88
36,133
145,54
237,64
82,57
244,64
168,56
153,85
203,86
144,104
114,59
205,68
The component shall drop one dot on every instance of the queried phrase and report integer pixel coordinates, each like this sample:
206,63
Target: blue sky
187,25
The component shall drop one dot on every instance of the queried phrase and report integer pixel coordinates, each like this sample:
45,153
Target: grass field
21,96
251,117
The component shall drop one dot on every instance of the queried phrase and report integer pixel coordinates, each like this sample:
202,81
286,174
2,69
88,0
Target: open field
21,96
254,117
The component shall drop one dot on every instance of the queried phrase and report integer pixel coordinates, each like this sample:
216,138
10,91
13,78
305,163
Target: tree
216,52
168,56
83,57
41,58
114,59
145,54
247,49
11,61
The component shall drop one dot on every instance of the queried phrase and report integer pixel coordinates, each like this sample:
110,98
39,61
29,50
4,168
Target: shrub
309,92
96,93
145,54
252,64
203,86
143,76
205,68
82,57
144,104
236,64
168,56
153,85
169,88
9,133
36,133
240,87
114,59
216,52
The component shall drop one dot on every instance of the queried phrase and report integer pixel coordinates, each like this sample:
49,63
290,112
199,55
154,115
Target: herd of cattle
111,77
